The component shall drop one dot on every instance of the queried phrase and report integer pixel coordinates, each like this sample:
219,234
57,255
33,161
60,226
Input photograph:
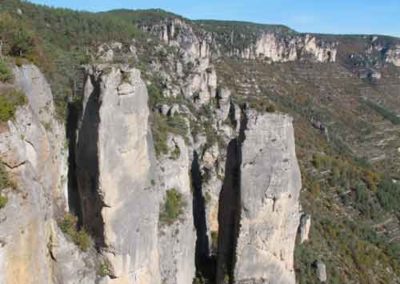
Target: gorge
197,152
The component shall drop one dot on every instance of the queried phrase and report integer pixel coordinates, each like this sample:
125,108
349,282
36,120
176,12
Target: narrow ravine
230,208
205,262
228,213
86,166
74,202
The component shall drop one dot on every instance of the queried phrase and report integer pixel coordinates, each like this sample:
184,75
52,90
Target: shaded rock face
32,149
270,184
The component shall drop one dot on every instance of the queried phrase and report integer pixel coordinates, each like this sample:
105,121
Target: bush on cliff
5,72
172,207
3,201
81,238
162,125
9,101
5,182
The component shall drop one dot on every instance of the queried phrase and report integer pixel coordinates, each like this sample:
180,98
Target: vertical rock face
32,149
177,32
122,186
177,240
270,186
293,48
114,171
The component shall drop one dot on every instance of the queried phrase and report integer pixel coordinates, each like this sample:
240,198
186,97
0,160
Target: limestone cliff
278,48
122,186
114,170
32,148
269,45
186,171
393,56
270,186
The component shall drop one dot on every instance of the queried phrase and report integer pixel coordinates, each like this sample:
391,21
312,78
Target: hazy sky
334,16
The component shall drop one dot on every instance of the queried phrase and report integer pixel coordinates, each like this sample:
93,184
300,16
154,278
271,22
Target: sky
318,16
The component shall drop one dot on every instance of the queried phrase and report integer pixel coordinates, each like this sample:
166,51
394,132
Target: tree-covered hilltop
58,40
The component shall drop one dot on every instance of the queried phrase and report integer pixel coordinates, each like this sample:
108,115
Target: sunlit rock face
32,147
270,187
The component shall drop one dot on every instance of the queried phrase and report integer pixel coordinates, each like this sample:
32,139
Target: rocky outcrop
177,240
270,184
200,79
285,48
304,228
393,56
114,171
177,32
122,186
32,149
321,271
276,47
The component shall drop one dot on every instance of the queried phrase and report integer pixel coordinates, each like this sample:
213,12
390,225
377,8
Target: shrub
389,194
104,269
4,177
199,279
5,72
81,238
271,108
155,95
214,240
9,101
172,207
176,153
3,201
261,104
162,125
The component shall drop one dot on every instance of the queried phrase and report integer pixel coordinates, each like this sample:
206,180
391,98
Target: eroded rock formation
33,249
270,185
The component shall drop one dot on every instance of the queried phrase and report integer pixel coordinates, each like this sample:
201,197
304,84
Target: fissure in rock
74,111
230,209
85,200
205,262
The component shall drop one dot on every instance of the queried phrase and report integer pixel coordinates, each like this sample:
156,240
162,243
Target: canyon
204,152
